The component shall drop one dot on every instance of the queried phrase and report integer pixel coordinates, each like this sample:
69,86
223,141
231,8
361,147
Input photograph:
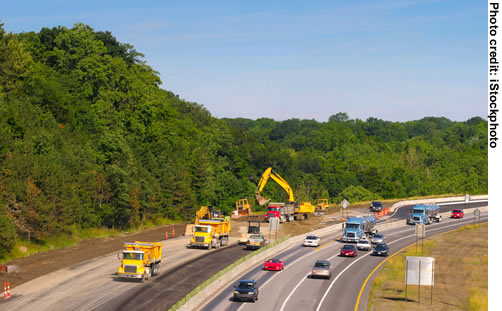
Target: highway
92,285
293,289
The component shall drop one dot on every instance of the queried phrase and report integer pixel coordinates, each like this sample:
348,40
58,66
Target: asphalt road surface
92,284
294,289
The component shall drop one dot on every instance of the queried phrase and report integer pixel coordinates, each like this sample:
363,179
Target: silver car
363,245
321,268
312,240
378,238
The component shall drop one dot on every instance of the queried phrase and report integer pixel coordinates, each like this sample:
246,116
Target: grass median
461,274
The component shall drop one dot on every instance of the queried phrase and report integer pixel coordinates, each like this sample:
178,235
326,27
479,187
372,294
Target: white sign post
419,232
477,214
274,226
345,204
419,271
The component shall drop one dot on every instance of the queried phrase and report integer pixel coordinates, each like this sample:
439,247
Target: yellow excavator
301,209
270,173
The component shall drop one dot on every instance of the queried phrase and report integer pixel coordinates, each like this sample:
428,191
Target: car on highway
348,250
381,249
378,238
321,268
363,244
246,290
273,264
376,206
457,213
312,240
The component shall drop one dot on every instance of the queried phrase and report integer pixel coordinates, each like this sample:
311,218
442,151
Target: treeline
88,138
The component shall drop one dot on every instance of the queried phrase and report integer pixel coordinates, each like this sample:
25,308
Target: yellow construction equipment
270,173
140,260
243,208
322,204
301,209
211,233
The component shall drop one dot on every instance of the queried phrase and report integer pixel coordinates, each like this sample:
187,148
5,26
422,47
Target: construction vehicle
205,212
301,209
424,214
140,260
285,212
357,228
270,173
209,233
256,241
254,227
242,208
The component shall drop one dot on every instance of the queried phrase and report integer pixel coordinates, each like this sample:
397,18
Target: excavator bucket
261,200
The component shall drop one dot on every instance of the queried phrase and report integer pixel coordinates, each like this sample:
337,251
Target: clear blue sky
395,60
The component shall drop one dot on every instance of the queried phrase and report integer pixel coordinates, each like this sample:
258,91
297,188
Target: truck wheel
153,270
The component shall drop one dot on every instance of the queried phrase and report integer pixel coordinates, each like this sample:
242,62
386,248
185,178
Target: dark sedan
246,290
376,206
381,249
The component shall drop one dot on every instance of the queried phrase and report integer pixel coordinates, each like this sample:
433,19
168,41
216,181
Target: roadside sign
467,197
345,203
419,270
477,213
274,224
420,230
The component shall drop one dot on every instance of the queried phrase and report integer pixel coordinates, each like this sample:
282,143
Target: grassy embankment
71,237
461,275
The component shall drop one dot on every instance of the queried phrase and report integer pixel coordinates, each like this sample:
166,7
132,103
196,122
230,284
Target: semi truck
140,260
423,214
209,233
285,212
357,228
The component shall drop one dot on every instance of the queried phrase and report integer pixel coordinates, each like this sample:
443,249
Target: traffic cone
4,290
167,236
8,289
173,231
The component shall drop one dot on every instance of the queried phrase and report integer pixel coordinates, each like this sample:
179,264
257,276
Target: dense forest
88,138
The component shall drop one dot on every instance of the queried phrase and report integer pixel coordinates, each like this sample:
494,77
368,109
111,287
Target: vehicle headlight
236,292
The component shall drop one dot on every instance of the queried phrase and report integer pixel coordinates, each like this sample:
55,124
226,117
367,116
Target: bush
7,236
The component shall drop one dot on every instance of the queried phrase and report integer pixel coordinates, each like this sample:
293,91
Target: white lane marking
332,283
289,265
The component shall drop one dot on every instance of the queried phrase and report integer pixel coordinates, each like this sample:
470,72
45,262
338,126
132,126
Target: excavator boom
270,173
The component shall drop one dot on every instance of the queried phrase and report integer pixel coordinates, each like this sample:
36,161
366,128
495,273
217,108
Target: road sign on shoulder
467,197
420,230
345,203
477,213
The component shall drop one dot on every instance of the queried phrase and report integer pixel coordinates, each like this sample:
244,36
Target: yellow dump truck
322,205
303,210
209,233
140,260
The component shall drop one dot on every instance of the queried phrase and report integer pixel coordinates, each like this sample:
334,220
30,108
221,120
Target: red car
457,213
348,250
273,264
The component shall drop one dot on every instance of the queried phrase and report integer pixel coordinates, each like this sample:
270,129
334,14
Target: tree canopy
88,138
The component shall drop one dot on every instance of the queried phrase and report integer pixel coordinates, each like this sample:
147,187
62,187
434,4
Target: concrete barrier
223,282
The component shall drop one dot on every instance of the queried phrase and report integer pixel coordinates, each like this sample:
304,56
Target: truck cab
417,215
140,260
423,214
353,232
